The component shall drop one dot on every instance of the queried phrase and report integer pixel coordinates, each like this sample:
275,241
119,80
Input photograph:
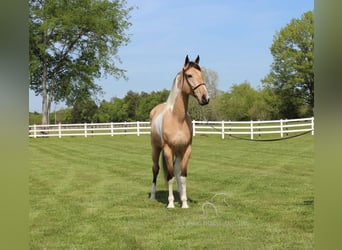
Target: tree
240,101
210,78
292,74
243,102
104,112
147,103
120,113
264,106
132,100
83,111
71,43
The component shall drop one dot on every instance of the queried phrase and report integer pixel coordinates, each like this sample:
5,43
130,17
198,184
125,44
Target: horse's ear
186,60
197,59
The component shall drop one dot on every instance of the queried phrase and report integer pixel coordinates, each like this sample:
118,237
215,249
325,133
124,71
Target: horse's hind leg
176,165
155,170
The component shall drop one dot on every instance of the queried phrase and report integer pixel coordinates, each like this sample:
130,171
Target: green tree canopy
292,73
71,44
235,105
83,111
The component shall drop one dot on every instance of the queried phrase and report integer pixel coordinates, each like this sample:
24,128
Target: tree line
72,43
241,103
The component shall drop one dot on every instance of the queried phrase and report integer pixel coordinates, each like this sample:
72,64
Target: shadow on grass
308,202
162,197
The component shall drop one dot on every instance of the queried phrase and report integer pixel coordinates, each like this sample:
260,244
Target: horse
171,129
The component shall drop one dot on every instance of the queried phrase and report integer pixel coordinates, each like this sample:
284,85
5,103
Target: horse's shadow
163,195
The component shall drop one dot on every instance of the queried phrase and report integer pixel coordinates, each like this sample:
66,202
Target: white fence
223,128
90,129
252,128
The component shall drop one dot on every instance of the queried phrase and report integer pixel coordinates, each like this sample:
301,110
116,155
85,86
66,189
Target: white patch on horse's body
158,124
173,95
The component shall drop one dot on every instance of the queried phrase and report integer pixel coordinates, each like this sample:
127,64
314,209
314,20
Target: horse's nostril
205,99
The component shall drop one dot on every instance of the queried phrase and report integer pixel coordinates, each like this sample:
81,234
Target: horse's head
195,86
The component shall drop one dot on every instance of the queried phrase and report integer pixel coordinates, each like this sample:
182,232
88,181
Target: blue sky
232,38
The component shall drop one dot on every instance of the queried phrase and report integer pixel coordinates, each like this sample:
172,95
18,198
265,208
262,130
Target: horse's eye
189,76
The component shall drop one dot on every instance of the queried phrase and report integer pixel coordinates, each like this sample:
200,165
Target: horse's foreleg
171,197
183,197
184,166
170,174
155,170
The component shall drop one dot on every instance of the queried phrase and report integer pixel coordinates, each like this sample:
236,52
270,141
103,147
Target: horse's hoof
171,205
185,205
152,197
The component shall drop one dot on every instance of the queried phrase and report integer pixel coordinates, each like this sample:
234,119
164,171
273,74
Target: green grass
92,193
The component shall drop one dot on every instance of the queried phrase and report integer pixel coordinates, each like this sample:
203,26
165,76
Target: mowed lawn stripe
92,193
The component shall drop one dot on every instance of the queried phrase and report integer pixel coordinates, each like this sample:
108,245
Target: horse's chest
179,135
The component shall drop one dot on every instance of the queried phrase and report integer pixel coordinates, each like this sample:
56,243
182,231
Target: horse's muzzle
204,100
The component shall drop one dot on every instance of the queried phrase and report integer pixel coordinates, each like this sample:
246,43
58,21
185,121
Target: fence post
138,128
35,131
286,127
312,126
281,128
230,128
111,129
125,128
222,130
252,135
59,130
85,129
193,127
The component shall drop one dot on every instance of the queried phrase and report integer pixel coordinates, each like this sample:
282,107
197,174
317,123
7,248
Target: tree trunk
45,111
50,97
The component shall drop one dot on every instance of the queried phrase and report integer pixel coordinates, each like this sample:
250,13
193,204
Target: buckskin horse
171,129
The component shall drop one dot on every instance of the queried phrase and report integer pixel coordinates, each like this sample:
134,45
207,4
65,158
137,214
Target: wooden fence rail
223,128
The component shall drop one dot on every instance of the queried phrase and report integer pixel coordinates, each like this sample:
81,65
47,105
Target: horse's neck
177,101
180,108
